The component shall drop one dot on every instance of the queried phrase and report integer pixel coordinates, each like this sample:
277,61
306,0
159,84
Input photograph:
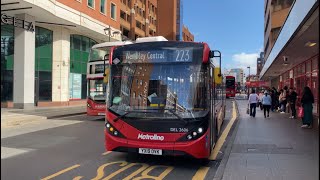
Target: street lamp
107,31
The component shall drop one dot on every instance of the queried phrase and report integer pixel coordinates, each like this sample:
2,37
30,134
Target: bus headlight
112,130
194,134
200,130
88,105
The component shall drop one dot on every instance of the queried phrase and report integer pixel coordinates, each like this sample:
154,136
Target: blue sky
235,27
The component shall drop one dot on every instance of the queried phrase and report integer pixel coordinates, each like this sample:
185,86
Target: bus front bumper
199,148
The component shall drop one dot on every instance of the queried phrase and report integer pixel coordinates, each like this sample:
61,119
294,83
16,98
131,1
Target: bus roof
150,39
108,44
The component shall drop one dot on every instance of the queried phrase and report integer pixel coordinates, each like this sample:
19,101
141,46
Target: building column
147,24
24,70
60,64
132,33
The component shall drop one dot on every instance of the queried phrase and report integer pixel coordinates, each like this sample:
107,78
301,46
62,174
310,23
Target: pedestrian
292,98
285,99
306,102
253,100
266,102
281,100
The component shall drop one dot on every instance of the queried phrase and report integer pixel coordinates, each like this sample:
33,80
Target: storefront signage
5,19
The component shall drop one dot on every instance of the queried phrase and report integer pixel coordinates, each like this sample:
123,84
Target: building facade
260,62
238,73
186,34
293,59
170,19
275,14
45,47
138,18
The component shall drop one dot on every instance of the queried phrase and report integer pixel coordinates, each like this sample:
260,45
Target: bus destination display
156,56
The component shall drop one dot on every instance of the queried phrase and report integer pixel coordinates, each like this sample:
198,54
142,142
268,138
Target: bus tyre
204,161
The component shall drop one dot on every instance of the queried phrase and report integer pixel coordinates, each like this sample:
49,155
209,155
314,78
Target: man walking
292,100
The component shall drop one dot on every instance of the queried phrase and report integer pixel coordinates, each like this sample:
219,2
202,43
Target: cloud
244,60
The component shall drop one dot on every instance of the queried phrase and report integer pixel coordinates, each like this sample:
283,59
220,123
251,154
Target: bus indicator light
189,137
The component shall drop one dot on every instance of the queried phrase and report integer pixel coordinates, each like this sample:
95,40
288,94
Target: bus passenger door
212,105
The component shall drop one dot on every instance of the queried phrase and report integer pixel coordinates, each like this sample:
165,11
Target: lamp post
249,72
107,31
248,81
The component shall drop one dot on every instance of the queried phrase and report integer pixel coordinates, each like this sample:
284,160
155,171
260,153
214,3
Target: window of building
138,24
7,52
79,54
122,15
43,64
113,11
103,6
91,3
315,63
275,32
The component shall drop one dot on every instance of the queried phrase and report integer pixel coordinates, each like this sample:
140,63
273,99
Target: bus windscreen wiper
128,112
179,117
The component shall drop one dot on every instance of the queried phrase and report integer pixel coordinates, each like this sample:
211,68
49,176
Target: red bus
96,98
161,100
230,86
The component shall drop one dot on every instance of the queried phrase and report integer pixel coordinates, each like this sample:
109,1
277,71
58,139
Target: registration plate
101,114
150,151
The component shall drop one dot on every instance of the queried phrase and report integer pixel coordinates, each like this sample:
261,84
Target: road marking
145,173
77,178
224,134
61,172
100,171
201,173
144,166
105,153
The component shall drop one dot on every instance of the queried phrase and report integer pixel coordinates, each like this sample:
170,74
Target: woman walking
266,103
253,100
306,101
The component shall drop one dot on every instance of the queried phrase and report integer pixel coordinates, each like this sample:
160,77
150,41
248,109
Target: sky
234,27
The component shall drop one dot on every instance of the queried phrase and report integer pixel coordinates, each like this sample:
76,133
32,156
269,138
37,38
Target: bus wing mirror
217,54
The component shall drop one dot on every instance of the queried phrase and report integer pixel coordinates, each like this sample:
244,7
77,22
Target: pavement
13,117
274,148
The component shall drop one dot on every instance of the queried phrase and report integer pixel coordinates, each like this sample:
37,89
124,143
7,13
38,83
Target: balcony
125,23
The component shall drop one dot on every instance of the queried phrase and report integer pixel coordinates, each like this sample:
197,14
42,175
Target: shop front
294,57
302,75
